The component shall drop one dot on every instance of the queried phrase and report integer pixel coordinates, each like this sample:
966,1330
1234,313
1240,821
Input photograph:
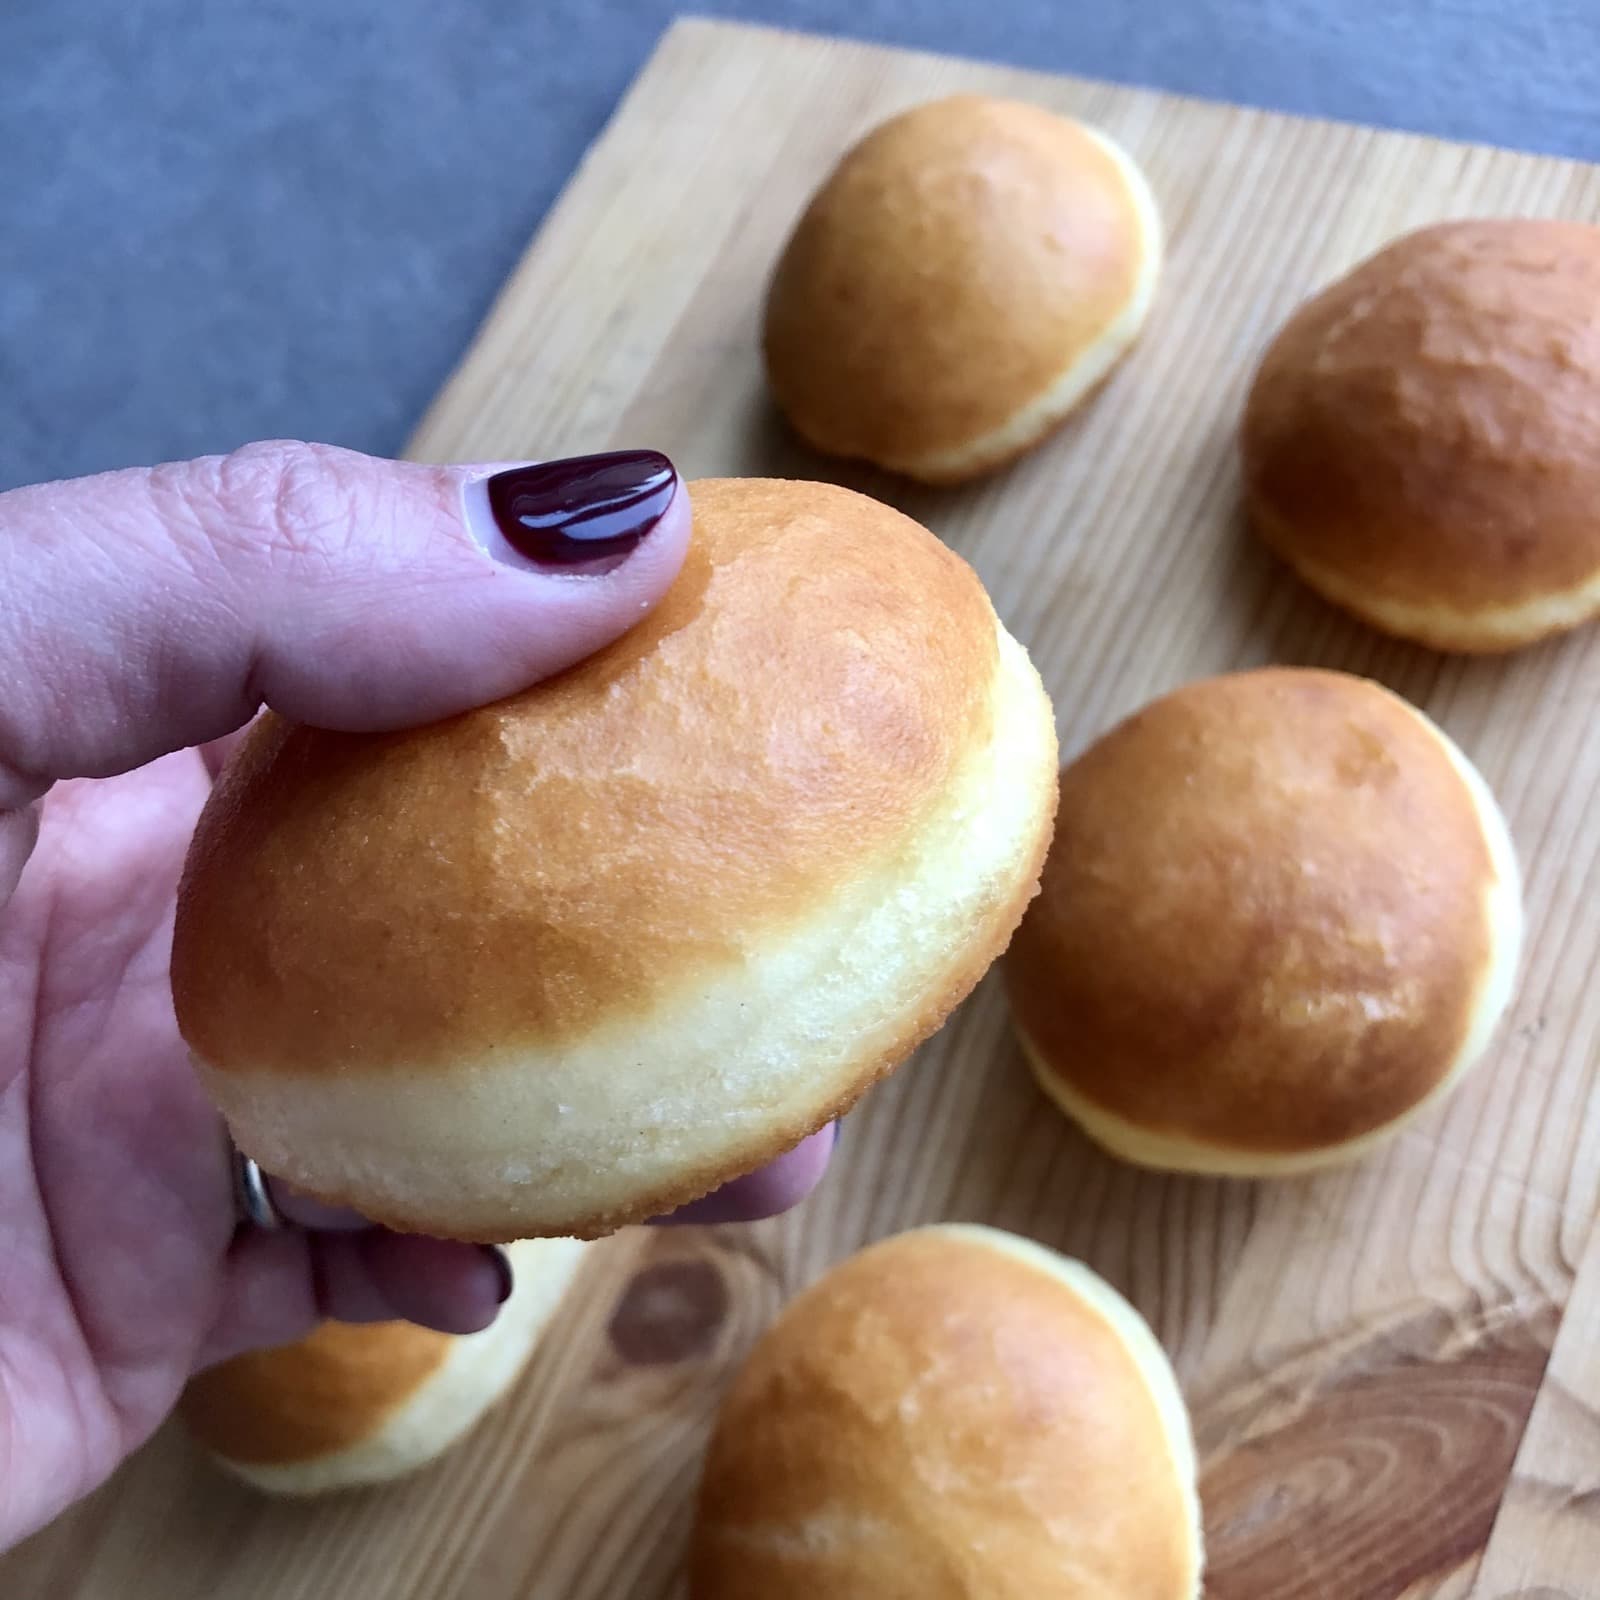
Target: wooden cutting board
1391,1367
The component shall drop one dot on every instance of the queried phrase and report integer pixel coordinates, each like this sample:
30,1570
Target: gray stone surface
249,218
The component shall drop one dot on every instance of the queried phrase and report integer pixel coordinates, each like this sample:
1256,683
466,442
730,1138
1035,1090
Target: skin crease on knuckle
41,630
284,500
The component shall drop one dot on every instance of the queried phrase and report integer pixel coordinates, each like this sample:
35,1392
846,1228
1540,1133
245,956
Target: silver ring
252,1198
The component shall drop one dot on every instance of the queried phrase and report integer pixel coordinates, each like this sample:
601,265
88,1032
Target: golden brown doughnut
1280,916
964,278
571,960
954,1412
1422,440
358,1404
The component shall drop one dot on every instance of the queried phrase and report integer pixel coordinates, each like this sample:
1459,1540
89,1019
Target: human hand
146,615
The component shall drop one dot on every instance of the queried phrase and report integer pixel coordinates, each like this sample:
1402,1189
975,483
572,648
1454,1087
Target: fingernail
584,515
501,1263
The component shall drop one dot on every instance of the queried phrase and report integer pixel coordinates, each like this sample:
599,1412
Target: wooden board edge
567,201
691,24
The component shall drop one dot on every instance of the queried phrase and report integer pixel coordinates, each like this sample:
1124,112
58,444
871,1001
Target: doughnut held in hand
359,1404
572,960
1422,440
957,1412
1280,916
963,279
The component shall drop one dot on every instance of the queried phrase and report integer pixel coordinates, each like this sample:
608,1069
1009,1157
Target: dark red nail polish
501,1263
588,510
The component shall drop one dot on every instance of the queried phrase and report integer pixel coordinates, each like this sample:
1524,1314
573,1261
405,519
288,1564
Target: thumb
150,610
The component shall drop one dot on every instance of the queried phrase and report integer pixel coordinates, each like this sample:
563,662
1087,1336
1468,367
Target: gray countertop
258,218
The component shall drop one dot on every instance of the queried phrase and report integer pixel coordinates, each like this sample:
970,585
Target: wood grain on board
1394,1385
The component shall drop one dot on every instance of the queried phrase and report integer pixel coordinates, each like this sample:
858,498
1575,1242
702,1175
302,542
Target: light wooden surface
1392,1368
